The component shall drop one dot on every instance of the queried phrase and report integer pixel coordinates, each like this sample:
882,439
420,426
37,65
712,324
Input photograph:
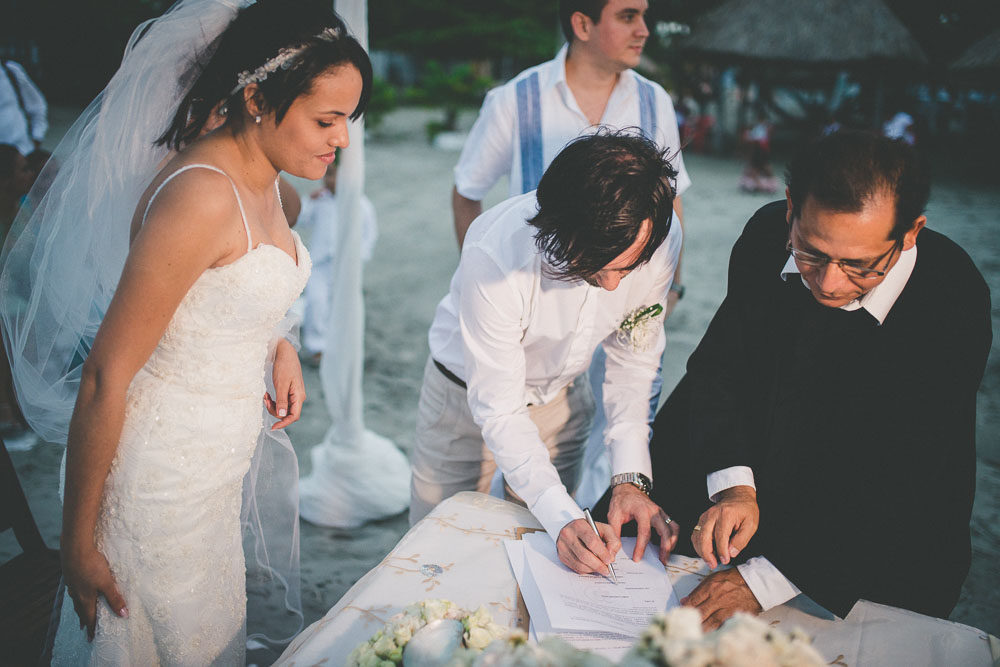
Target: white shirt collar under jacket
880,299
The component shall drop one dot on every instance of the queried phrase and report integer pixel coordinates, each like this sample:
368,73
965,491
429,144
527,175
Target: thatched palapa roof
804,31
984,54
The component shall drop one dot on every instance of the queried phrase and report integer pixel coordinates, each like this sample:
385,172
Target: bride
168,401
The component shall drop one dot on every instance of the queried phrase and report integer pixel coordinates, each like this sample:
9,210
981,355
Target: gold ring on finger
697,528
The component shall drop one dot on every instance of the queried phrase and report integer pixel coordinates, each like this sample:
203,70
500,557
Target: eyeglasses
852,270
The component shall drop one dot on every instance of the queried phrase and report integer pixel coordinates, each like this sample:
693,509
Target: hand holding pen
586,547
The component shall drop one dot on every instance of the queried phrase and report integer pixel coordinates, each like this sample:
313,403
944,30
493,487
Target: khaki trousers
450,456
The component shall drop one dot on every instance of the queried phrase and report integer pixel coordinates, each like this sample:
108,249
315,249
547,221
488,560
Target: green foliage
526,30
384,99
452,89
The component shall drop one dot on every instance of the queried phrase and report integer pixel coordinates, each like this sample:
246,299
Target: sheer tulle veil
65,253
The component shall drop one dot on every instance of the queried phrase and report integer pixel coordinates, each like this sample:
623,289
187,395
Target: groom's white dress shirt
517,336
765,581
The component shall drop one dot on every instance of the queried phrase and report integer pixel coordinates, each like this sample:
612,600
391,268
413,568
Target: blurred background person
23,111
758,174
15,181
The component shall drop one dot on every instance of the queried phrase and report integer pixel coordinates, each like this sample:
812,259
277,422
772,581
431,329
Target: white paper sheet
611,645
594,602
589,611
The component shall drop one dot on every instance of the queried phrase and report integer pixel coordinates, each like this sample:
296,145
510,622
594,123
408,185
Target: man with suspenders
526,122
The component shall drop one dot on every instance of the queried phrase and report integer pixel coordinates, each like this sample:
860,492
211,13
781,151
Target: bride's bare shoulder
189,189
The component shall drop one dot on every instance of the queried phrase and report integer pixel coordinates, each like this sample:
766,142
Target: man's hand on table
726,528
582,551
628,503
719,596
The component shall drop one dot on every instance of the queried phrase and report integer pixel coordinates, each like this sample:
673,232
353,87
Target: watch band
678,289
636,479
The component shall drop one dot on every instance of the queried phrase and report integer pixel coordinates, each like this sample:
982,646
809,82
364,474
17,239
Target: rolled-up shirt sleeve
490,315
487,153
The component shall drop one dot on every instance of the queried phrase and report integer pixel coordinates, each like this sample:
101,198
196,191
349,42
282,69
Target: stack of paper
589,611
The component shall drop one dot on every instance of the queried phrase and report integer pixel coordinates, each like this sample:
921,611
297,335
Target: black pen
590,520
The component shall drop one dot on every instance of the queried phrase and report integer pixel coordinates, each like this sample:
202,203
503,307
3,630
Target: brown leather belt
448,374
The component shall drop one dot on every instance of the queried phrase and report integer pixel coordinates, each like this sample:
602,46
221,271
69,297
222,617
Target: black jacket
861,437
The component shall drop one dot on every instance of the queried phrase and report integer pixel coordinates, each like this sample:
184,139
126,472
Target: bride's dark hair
257,34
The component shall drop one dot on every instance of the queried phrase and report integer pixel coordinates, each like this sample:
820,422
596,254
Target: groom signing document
545,278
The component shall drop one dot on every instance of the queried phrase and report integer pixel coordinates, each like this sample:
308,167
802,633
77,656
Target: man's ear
910,237
582,26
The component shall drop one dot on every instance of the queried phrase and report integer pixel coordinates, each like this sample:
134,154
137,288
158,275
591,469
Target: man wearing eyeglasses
829,412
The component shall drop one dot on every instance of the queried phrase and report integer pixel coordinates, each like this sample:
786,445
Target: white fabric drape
357,475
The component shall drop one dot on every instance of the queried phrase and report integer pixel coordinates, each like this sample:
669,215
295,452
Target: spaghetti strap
277,189
243,215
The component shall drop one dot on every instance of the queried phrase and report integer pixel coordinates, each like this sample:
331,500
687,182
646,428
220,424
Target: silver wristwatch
636,479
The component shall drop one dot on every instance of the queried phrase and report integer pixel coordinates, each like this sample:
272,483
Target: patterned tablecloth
457,553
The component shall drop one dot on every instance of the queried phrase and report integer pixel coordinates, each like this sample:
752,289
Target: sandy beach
409,183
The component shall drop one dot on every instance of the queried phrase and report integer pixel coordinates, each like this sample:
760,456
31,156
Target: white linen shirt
765,581
13,125
493,149
518,336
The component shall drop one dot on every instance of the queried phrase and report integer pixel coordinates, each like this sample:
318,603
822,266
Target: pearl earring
256,119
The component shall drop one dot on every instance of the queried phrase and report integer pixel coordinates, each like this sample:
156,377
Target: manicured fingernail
282,412
733,551
123,612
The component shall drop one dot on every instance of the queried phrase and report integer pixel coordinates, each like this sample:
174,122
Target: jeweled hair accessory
286,59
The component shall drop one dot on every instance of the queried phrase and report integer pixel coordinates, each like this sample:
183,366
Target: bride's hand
288,385
88,576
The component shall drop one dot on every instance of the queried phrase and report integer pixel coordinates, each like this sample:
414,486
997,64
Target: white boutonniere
638,329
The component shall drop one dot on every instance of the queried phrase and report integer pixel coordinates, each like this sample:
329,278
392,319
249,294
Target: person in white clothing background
319,215
23,111
544,279
523,124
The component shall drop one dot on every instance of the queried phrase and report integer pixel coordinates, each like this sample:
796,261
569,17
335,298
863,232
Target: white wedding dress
170,515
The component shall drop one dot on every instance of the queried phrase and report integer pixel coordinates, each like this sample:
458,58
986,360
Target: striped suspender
529,119
647,109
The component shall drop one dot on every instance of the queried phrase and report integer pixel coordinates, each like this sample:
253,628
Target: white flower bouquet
385,648
674,639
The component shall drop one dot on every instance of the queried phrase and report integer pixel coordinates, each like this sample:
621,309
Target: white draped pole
357,476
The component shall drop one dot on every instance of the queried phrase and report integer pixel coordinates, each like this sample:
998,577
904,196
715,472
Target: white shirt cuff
767,583
727,478
554,509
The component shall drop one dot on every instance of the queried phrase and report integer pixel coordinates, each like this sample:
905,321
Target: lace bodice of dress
216,342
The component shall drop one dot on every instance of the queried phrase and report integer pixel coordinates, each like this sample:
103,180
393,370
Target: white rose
384,645
435,609
401,634
478,638
683,623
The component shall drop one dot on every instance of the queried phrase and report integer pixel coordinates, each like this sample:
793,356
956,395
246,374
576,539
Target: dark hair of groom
594,198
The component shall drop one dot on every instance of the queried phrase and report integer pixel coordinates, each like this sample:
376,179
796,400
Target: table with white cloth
457,553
